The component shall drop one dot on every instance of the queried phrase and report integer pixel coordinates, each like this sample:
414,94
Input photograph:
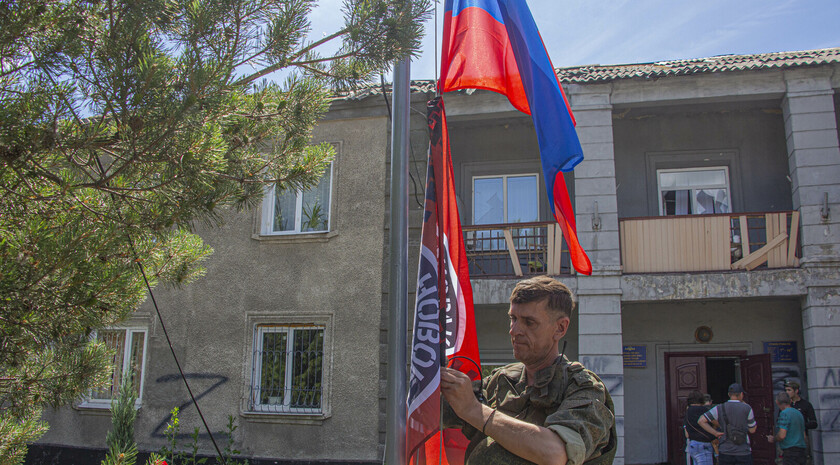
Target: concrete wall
334,278
669,327
747,137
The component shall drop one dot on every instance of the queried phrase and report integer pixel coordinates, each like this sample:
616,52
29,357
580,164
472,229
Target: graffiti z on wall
830,401
219,380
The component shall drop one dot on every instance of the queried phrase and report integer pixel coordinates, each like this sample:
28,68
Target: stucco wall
669,327
689,136
335,278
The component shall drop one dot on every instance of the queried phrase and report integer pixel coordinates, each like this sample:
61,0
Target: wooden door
757,380
685,374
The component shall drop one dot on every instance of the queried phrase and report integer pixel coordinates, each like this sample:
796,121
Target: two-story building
708,202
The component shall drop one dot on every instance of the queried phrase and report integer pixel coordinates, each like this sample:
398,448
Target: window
696,191
287,369
505,199
499,200
129,349
296,212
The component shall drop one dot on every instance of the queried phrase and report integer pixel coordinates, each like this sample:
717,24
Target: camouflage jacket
566,398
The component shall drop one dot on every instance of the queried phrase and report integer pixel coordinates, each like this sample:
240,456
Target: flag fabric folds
444,324
495,45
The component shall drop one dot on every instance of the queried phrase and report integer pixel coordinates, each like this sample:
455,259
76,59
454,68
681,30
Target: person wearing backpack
736,419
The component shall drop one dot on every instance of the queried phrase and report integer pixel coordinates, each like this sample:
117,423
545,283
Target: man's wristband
493,412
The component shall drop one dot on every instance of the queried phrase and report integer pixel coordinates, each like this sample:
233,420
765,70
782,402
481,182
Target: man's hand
704,423
457,388
531,442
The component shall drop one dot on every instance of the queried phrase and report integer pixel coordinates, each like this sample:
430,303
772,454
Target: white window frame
660,189
90,402
505,192
269,198
254,405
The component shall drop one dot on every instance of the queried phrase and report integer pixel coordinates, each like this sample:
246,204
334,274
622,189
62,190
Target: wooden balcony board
676,244
745,235
761,255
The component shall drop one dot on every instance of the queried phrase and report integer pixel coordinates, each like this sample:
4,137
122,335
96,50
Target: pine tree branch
277,66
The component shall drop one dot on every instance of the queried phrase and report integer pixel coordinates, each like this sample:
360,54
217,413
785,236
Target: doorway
712,373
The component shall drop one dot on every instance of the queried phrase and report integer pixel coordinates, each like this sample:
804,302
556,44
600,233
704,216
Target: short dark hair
792,384
783,398
558,296
695,398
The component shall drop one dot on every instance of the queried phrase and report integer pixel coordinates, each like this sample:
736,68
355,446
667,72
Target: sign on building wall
782,351
635,356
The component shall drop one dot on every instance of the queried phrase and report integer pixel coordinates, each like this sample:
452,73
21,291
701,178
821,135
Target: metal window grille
287,371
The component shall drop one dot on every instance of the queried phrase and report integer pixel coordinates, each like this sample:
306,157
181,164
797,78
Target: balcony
737,241
520,249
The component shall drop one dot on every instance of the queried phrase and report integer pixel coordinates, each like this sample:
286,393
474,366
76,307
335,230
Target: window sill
285,418
98,408
295,238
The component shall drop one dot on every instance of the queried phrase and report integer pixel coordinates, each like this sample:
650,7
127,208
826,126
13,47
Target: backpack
735,434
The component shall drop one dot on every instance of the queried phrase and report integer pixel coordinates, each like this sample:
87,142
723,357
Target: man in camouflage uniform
545,409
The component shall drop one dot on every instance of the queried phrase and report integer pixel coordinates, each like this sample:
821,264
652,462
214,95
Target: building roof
592,74
717,64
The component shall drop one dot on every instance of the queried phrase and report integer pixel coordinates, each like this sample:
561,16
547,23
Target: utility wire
410,145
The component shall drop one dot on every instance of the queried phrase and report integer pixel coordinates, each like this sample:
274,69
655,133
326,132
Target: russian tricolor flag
495,45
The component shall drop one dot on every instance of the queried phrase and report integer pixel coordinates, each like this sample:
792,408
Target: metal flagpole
398,289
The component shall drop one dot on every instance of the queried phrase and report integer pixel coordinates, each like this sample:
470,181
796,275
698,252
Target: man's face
793,393
535,332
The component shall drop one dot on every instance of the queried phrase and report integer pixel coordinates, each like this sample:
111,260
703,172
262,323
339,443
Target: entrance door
757,381
714,371
685,374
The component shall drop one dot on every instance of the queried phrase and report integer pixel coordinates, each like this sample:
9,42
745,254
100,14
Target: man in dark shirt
801,404
805,408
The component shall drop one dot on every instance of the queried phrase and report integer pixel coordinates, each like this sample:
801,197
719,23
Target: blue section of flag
559,145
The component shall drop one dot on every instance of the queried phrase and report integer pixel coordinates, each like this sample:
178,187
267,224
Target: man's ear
562,325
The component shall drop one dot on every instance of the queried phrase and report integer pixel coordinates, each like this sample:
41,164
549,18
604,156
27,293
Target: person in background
707,401
800,403
699,448
805,408
790,432
736,418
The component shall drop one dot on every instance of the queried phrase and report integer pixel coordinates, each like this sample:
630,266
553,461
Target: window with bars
287,369
128,347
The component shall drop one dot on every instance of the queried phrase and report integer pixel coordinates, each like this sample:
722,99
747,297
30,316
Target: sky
607,32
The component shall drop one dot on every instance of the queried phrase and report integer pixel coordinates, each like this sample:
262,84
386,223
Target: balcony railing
519,249
648,245
709,242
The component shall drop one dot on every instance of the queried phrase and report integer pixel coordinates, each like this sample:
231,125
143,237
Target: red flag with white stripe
444,325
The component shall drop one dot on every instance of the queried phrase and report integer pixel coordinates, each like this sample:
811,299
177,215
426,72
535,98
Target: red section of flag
565,217
444,307
477,54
